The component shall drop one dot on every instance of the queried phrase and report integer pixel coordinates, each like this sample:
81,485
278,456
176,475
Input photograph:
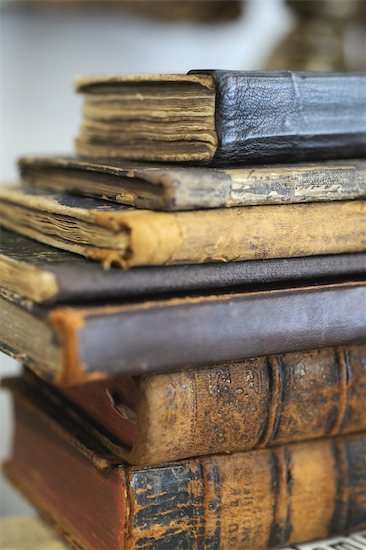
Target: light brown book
233,406
112,233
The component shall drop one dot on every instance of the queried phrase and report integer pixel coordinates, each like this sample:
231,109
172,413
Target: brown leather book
169,187
72,343
245,501
228,407
113,233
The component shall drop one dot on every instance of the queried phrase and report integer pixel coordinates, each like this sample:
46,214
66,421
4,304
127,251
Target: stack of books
205,386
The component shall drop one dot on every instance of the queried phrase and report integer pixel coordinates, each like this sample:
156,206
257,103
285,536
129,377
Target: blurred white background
42,51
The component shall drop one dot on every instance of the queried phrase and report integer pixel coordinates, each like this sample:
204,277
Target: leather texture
244,501
159,336
129,237
288,116
233,406
167,334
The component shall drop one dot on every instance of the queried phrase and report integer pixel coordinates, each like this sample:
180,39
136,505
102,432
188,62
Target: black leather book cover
284,116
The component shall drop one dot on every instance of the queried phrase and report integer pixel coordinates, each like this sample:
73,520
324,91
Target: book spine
246,501
158,336
288,116
242,233
255,500
259,402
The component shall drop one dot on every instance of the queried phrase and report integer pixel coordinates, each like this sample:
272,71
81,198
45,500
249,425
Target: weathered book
113,233
72,342
247,501
28,533
236,406
45,274
169,187
224,117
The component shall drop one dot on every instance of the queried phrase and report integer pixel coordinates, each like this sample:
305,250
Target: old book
113,233
49,275
247,501
236,406
224,117
72,342
169,187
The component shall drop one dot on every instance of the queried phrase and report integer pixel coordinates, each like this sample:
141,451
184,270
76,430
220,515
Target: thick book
74,342
113,233
224,117
246,501
226,407
169,187
45,274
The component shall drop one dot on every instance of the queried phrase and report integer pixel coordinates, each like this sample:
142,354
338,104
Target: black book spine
289,116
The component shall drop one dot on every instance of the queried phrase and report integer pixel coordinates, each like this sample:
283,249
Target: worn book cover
74,342
169,187
45,274
225,407
224,117
247,501
113,233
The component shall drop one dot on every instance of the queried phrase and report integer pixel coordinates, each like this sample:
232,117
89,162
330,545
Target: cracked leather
288,116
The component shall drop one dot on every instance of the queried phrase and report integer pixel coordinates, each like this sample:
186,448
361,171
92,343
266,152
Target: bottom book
260,499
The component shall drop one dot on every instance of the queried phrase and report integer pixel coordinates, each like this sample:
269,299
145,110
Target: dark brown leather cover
192,331
272,116
81,280
160,335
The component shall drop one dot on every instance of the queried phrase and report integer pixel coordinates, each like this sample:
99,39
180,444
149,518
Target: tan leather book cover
112,233
228,407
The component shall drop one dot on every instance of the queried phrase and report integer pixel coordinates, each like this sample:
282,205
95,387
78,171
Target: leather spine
259,402
288,116
157,336
248,501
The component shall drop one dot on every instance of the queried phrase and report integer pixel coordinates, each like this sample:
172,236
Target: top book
224,117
